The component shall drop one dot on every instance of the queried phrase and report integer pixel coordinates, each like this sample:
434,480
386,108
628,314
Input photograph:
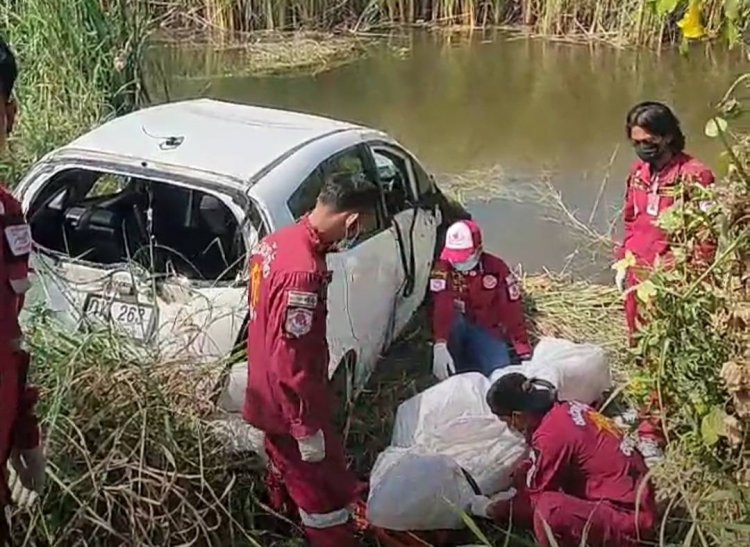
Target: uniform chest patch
437,285
18,237
298,321
489,282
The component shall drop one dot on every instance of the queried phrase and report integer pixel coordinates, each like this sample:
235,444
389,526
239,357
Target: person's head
521,402
345,208
8,75
463,245
655,132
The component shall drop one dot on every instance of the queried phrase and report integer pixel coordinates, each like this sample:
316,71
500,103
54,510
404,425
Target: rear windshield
109,219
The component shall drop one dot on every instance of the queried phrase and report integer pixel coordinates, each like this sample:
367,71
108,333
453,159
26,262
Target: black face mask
649,152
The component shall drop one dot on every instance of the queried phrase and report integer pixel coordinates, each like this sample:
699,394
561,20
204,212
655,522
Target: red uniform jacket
18,424
582,453
647,197
489,296
287,389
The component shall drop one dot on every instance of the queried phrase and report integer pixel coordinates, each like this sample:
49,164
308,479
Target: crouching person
585,483
477,307
287,394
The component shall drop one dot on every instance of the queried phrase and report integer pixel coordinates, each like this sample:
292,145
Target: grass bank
643,22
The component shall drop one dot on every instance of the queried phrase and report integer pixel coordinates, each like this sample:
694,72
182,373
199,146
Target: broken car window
110,219
394,179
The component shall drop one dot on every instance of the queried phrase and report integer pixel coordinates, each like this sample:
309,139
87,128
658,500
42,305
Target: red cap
462,239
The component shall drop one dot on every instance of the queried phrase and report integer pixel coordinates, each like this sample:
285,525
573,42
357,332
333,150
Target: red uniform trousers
322,491
572,519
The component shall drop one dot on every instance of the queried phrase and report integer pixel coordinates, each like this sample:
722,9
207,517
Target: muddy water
500,112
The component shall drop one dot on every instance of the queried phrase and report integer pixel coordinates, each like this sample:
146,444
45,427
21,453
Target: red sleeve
628,216
26,426
550,457
442,302
511,313
300,355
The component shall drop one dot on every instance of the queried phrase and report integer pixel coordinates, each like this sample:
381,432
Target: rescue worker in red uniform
662,164
287,394
584,478
19,431
477,307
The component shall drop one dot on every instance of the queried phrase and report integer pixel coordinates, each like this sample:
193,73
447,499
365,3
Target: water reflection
479,102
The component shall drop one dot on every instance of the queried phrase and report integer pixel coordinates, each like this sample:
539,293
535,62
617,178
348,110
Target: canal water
501,116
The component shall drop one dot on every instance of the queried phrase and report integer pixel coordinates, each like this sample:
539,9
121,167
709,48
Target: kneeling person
477,307
584,481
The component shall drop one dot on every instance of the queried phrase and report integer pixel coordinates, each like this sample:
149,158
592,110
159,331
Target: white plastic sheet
417,483
462,395
413,489
483,446
579,371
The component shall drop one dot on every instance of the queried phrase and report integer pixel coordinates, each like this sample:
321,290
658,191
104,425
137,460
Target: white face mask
467,265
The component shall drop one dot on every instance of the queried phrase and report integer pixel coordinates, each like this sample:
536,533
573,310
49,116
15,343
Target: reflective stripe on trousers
325,520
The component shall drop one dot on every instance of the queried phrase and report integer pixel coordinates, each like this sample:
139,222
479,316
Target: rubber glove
313,448
481,504
30,466
442,362
620,279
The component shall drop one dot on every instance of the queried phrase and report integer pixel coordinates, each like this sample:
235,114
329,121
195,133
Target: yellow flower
691,23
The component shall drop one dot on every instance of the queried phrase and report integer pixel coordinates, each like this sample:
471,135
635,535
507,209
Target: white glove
30,466
620,279
481,504
442,362
313,448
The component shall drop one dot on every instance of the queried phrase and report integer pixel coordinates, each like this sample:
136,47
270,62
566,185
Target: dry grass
642,22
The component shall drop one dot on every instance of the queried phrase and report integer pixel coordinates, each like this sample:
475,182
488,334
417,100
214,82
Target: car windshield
110,219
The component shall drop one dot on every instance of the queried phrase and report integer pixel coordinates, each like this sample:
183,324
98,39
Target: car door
414,227
361,296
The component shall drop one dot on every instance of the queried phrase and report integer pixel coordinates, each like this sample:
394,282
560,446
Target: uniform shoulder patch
514,287
302,299
577,413
18,237
298,321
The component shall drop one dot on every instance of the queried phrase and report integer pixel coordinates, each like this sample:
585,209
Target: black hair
8,69
515,392
657,119
349,192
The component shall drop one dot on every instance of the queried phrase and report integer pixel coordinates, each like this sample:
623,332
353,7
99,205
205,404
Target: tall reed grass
80,62
645,22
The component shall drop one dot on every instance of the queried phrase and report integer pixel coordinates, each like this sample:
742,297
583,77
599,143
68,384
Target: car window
350,161
424,181
394,175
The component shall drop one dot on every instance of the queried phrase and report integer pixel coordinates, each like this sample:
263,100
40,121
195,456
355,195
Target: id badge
652,205
460,306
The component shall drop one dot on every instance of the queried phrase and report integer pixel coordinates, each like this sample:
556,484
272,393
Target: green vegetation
132,458
80,64
650,22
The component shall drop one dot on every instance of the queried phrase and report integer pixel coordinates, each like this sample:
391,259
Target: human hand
442,362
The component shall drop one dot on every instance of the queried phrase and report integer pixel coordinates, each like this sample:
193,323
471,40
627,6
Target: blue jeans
475,349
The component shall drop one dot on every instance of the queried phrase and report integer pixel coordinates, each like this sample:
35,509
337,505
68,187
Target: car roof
240,141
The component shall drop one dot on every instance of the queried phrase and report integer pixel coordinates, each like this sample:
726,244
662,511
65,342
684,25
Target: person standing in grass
19,430
477,307
662,165
585,483
288,395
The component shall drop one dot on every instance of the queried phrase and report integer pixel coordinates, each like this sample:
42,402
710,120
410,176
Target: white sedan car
144,223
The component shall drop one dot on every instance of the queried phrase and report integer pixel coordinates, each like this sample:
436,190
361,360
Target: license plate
132,319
